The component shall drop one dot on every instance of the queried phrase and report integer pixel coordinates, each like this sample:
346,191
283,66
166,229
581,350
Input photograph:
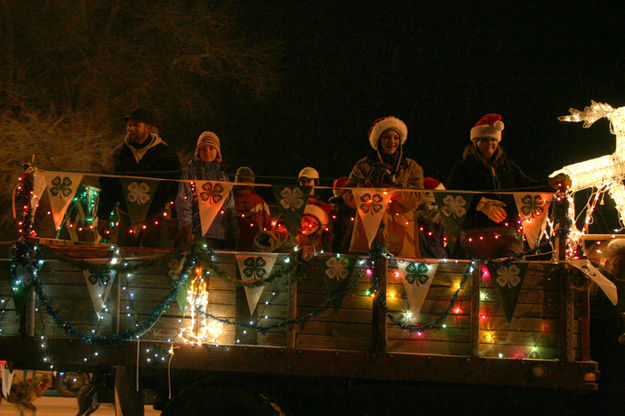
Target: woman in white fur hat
387,166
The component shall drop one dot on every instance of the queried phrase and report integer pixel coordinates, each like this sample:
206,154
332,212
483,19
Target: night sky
439,68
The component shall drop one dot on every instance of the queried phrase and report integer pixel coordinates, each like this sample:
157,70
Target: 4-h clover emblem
101,279
291,198
61,187
417,273
138,193
508,276
337,268
255,267
454,206
532,206
371,203
211,193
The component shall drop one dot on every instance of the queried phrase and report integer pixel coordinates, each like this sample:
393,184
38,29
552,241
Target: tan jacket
400,233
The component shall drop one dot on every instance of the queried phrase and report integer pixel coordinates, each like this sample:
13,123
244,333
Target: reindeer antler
592,113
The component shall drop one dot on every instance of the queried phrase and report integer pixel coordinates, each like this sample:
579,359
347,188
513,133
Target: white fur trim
317,212
487,130
384,124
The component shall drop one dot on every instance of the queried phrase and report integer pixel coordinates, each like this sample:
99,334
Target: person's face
137,131
306,182
207,153
487,146
389,142
309,224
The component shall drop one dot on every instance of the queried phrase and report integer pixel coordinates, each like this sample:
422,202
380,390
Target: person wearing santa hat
491,228
314,234
387,166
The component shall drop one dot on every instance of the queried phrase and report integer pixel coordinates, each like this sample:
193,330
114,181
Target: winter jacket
155,159
498,174
224,226
252,215
400,233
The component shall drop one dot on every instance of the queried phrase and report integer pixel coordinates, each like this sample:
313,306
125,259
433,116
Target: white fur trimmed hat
385,123
490,125
319,210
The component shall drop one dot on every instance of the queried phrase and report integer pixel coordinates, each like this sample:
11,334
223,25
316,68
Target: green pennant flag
291,203
338,269
138,194
508,280
21,288
453,208
174,267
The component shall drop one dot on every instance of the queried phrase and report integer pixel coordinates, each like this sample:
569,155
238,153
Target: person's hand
560,182
381,174
493,209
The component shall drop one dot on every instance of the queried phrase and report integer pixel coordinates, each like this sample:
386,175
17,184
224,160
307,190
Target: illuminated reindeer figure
608,170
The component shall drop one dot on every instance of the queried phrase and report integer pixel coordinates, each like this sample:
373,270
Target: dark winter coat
498,174
156,160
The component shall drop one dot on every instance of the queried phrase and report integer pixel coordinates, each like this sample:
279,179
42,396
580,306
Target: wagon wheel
202,398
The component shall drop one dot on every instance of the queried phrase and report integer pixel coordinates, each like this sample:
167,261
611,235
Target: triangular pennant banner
291,203
174,267
533,209
595,275
39,186
338,269
138,194
416,279
254,267
211,196
371,205
99,286
7,378
508,281
453,208
61,187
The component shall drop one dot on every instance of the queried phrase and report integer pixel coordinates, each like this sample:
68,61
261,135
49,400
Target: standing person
206,165
252,211
491,225
386,166
308,177
431,233
143,153
315,235
342,217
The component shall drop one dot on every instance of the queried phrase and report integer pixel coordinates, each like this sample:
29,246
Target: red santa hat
338,184
431,183
490,125
319,210
385,123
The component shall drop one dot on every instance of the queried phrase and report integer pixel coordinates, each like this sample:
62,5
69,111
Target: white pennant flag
61,187
371,205
7,378
416,279
533,209
99,287
253,267
595,275
211,195
39,186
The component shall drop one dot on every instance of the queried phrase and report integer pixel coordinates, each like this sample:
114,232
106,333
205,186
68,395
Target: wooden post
584,323
378,320
475,308
566,317
116,318
291,330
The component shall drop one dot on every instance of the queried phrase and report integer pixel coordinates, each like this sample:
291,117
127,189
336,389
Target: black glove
381,174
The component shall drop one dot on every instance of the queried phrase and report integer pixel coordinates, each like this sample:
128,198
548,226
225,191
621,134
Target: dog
24,392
